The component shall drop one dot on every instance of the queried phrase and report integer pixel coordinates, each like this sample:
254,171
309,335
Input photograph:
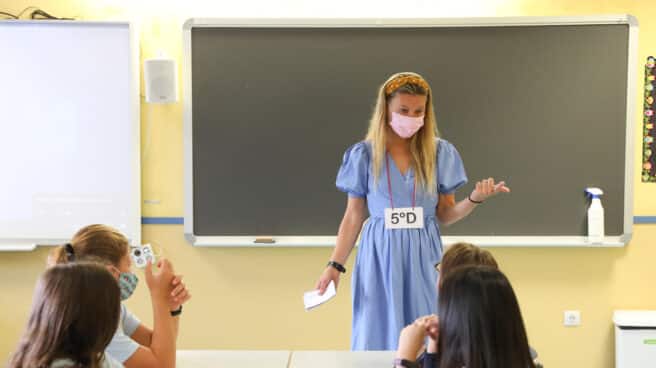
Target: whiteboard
69,132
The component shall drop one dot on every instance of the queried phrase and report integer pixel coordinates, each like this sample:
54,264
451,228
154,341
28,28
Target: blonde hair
423,145
98,243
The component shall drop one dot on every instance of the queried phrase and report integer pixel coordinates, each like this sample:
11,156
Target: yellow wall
251,298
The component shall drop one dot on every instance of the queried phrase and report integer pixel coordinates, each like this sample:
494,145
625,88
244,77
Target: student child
134,344
480,325
467,254
74,314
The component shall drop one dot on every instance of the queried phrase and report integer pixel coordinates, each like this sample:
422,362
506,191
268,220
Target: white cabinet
635,339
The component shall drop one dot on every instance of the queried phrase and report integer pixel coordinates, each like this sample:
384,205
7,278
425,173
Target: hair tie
70,252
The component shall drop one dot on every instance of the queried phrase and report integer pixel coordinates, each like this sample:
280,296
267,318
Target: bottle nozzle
594,192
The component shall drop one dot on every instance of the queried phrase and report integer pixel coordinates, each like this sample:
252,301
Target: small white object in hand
142,255
312,299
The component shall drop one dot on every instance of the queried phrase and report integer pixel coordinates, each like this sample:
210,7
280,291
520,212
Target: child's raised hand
411,341
486,188
159,283
180,294
429,323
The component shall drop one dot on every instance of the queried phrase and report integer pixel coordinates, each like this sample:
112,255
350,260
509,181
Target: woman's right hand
159,283
328,275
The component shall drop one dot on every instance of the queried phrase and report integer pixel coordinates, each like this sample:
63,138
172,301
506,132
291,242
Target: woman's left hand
179,293
486,188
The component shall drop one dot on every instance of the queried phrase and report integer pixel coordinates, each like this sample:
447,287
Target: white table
342,359
232,358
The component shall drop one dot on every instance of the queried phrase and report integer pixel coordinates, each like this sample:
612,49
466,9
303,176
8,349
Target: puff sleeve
450,169
353,175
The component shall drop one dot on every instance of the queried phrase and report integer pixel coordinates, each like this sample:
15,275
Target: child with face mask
405,178
133,344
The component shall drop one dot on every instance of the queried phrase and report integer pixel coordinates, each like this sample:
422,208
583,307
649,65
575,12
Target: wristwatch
176,312
405,363
338,266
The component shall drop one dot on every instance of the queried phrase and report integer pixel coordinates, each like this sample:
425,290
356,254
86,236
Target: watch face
406,363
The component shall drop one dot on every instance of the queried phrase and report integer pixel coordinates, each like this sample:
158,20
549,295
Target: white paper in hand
312,299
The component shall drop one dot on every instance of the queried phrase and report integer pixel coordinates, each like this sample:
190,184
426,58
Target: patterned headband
396,83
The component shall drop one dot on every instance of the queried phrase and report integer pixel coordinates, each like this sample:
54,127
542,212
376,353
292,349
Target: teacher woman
405,177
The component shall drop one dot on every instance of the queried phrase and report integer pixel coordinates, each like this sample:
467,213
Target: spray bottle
595,216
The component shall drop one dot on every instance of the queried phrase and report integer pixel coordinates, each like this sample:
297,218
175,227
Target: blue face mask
127,282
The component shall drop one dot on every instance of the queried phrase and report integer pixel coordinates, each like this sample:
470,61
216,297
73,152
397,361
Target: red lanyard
389,185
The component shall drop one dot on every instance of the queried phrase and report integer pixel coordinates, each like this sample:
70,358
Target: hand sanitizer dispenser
595,216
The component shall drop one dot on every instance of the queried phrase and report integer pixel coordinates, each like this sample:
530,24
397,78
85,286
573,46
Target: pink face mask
406,126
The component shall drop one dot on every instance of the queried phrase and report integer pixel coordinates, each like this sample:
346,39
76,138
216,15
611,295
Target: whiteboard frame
29,244
488,241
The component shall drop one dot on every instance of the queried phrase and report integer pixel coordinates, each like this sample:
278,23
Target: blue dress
394,277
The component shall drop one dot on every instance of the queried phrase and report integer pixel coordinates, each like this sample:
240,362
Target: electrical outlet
572,318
